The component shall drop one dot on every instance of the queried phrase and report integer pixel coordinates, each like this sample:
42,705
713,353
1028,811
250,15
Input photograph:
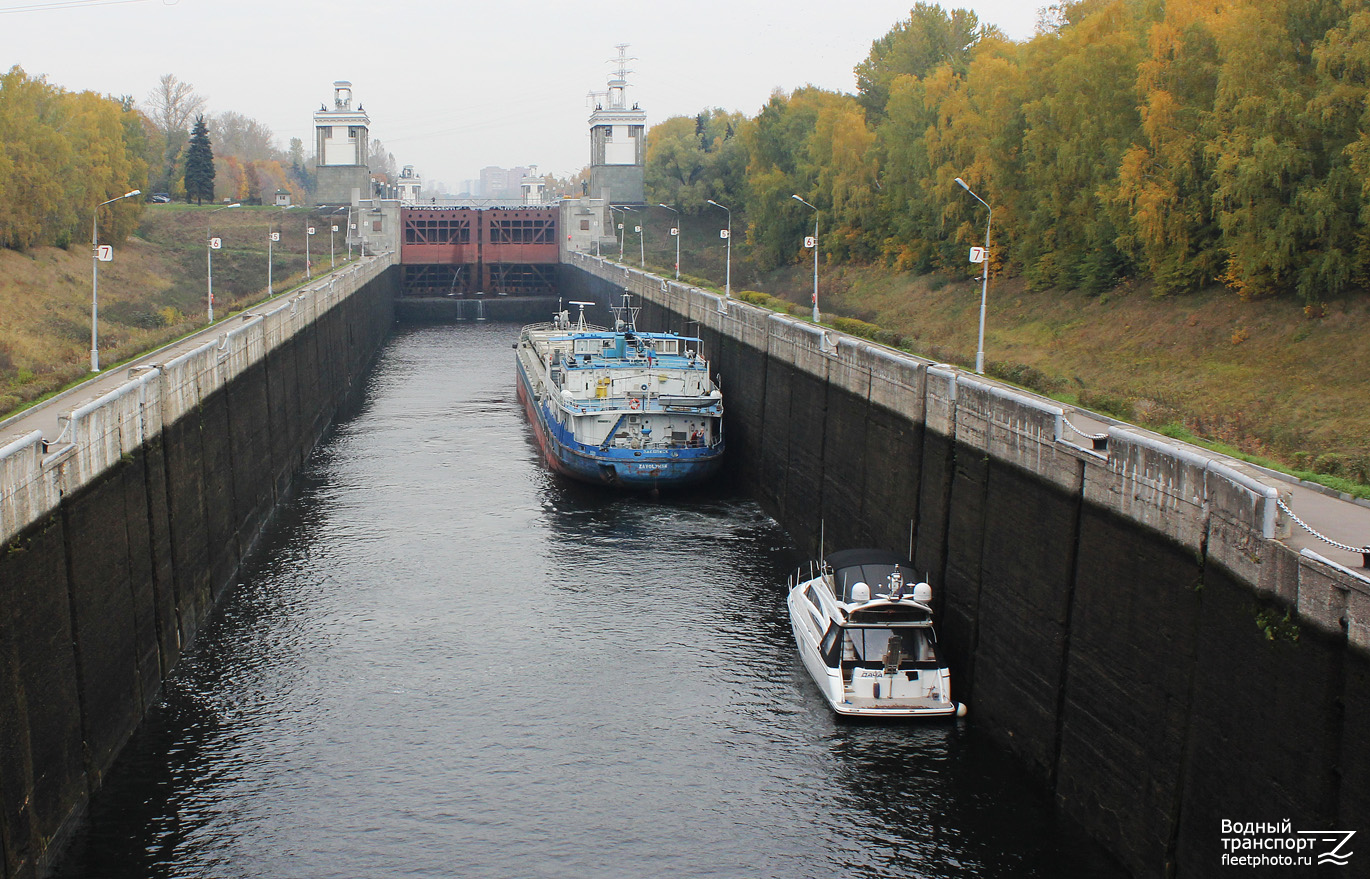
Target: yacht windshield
901,646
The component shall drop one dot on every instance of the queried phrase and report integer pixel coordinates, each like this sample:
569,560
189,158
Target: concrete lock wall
118,542
1102,610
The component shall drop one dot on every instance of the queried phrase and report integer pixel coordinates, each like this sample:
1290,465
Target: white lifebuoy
633,403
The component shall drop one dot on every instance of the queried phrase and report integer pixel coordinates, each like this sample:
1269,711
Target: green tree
1080,118
199,173
693,159
1165,181
1285,193
62,153
930,37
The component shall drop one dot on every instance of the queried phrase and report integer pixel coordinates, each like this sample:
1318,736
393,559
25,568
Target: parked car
160,198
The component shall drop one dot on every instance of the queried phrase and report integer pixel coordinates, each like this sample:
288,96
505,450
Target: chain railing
1363,550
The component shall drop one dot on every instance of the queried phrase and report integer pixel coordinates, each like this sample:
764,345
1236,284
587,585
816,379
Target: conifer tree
199,175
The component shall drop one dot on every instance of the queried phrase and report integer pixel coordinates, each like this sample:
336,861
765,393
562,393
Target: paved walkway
47,416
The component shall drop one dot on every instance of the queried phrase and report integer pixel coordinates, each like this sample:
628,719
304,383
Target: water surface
443,661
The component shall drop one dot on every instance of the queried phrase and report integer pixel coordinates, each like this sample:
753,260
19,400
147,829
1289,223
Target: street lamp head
716,204
132,194
796,198
962,184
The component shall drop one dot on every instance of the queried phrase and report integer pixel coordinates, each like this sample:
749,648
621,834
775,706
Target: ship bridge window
667,346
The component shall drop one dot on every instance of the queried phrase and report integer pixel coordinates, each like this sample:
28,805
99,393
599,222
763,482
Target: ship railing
609,404
664,445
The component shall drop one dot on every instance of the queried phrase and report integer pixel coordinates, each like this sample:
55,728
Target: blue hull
622,468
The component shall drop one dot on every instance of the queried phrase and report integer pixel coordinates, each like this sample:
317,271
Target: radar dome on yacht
860,592
922,593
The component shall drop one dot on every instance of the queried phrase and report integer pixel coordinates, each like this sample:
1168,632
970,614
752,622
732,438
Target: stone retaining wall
1115,617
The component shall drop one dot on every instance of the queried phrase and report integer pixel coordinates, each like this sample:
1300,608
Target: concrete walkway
1339,518
49,416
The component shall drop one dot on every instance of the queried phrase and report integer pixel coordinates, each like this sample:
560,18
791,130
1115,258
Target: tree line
62,153
1188,142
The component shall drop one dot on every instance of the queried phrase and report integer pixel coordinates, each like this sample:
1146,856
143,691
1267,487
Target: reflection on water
446,662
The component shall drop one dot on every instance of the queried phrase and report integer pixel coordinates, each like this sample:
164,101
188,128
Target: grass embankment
154,291
1265,380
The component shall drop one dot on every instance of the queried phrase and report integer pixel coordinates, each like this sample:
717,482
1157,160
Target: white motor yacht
866,637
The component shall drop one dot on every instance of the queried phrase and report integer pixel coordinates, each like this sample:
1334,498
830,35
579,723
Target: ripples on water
445,662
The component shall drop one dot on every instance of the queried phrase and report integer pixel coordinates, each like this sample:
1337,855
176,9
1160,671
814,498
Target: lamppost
984,278
95,277
617,227
675,233
272,236
727,235
308,265
641,245
815,255
332,230
350,227
211,245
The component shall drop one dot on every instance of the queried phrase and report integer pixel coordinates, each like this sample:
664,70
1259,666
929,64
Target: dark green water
444,662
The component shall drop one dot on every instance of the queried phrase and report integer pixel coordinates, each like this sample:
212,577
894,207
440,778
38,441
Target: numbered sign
311,230
335,228
104,253
978,254
216,243
637,229
810,241
352,225
675,231
620,225
722,233
275,236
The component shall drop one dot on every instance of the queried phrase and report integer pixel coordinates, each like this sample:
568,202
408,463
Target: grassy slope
1262,377
153,291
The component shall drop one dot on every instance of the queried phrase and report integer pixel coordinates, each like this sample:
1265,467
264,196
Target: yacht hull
863,692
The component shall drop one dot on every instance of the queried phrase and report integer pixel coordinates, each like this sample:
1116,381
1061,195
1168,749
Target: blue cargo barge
619,407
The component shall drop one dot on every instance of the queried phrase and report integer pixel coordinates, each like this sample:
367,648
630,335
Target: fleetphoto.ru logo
1263,844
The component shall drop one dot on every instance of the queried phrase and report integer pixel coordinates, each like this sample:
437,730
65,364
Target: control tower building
618,141
342,147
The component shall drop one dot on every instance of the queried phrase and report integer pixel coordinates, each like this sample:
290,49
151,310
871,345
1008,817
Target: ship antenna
822,525
580,328
910,540
625,315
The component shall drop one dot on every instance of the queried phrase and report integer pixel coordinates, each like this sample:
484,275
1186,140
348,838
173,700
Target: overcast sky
452,86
